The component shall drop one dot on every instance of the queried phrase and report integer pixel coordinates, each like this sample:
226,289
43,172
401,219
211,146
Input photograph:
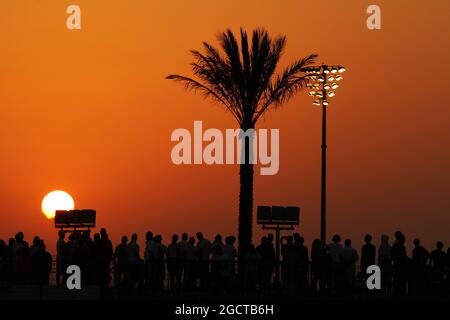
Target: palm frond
191,84
286,85
241,76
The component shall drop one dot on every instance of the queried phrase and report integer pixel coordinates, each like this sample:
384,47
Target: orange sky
89,112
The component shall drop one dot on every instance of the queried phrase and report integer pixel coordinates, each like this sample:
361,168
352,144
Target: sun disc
56,200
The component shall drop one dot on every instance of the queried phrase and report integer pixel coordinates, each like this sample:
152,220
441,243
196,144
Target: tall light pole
323,84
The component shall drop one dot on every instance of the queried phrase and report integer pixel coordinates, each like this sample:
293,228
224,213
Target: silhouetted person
302,262
229,256
121,261
252,261
35,247
34,250
349,257
316,268
98,271
187,254
289,265
203,252
70,256
217,242
106,253
19,244
438,261
159,253
217,268
174,264
337,273
148,258
88,259
23,265
267,253
191,266
42,265
368,252
134,259
420,256
400,265
60,257
385,264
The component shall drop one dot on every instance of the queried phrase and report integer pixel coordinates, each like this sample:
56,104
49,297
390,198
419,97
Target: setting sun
56,200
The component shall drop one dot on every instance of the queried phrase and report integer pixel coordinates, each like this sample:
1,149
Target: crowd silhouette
191,264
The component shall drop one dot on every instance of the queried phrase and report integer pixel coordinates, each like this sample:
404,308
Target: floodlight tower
323,84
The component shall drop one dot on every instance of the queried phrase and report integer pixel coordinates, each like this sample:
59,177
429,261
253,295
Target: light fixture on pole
323,85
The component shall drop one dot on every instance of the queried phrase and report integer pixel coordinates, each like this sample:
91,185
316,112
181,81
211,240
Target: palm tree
243,79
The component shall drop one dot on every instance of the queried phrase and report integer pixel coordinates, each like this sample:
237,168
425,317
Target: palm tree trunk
245,201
